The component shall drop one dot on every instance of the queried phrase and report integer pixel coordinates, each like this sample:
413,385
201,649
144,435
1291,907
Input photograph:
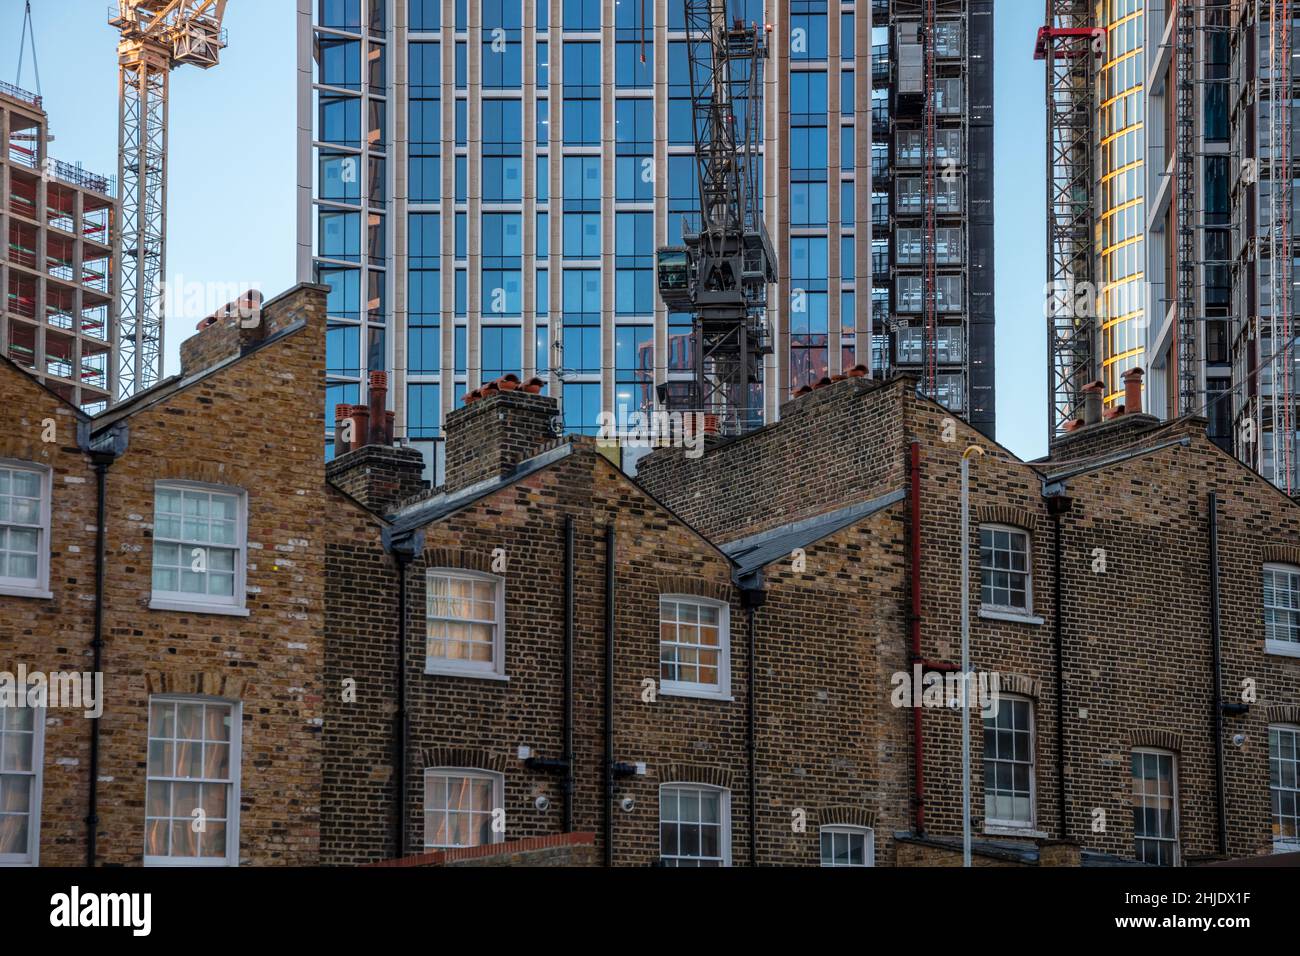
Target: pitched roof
755,552
416,515
170,386
31,376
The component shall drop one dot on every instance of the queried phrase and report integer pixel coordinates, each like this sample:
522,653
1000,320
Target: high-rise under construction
1170,212
59,313
483,187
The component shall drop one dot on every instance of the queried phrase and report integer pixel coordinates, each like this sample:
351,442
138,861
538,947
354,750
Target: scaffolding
1263,41
1069,44
931,304
57,226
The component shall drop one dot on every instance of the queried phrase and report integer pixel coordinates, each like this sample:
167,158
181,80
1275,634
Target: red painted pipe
914,545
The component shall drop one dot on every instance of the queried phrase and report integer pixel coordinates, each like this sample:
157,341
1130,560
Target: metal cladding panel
981,62
981,270
980,174
982,345
911,68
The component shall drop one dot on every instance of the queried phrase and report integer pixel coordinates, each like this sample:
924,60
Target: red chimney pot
1133,390
378,401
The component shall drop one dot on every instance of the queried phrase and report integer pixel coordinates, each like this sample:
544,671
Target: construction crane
1070,44
721,272
156,37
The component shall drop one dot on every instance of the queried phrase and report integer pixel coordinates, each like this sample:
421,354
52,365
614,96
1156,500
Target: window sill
997,829
228,610
702,694
15,590
455,672
1282,648
993,614
183,861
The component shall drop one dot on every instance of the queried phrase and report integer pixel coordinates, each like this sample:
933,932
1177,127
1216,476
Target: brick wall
1106,437
484,721
1136,638
830,750
254,425
239,326
53,634
379,476
835,445
561,850
490,436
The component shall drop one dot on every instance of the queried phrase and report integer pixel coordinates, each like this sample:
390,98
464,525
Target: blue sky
231,175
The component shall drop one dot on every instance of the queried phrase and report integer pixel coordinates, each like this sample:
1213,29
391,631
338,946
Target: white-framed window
694,825
1155,806
1284,786
1009,764
1006,578
694,646
1282,609
844,845
22,742
462,807
199,544
464,623
192,787
24,529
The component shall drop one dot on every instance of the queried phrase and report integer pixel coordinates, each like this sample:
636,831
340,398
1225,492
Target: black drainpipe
403,550
102,462
752,597
1216,635
401,733
103,453
610,543
568,674
1058,504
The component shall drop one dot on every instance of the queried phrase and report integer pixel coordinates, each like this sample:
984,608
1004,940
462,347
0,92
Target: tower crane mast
721,271
156,36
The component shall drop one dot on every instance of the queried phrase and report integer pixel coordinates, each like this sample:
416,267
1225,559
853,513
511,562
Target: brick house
1168,550
203,616
703,665
522,542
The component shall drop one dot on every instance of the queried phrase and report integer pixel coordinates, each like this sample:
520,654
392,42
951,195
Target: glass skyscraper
1121,225
483,186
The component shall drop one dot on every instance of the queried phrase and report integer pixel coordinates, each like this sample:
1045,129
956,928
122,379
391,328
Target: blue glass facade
508,222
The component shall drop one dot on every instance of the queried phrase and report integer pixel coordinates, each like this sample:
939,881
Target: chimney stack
378,399
369,468
1132,390
489,436
232,330
1092,395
